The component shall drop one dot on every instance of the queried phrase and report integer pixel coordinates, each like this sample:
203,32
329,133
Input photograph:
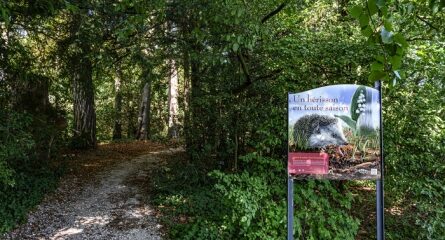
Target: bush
25,173
415,157
29,188
15,143
251,204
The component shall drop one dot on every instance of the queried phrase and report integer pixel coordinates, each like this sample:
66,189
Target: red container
307,163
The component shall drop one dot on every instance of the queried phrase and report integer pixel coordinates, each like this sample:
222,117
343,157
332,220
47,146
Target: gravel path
112,204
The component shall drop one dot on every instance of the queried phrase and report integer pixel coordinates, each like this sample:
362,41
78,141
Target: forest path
102,198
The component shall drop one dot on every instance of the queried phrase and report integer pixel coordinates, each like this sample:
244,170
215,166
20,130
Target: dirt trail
109,202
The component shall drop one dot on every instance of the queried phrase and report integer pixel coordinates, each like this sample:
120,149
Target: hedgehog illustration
318,131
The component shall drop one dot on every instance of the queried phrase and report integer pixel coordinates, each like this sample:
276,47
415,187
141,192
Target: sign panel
334,133
308,163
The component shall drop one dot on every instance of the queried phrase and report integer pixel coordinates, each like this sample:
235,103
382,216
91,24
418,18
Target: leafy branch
381,34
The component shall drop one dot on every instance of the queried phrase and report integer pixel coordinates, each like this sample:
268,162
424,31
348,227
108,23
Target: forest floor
104,195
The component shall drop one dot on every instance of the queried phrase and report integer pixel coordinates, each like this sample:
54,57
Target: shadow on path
104,197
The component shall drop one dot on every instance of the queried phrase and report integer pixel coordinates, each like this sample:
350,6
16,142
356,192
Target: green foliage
306,55
311,46
16,143
376,24
24,177
416,168
31,185
251,205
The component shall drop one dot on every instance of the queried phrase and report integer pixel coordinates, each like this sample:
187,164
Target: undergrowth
26,173
248,204
30,187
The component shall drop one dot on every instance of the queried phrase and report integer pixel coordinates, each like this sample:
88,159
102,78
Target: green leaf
388,25
380,3
356,11
380,59
384,10
364,20
376,66
4,15
348,120
396,62
399,51
376,75
396,73
394,82
372,7
398,38
367,31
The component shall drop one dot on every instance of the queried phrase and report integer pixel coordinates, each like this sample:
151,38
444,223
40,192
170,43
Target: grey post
379,184
290,208
290,191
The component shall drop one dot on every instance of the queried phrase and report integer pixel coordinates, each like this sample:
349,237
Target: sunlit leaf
356,11
367,31
377,66
396,61
372,7
364,20
376,75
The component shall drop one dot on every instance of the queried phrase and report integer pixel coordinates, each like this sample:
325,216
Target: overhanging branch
274,12
246,84
427,23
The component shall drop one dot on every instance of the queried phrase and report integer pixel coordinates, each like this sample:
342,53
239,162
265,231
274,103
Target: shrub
25,173
16,143
251,204
415,157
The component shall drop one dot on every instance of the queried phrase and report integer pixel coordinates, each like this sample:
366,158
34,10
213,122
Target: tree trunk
193,133
81,73
117,130
186,81
173,101
131,116
186,66
145,113
83,95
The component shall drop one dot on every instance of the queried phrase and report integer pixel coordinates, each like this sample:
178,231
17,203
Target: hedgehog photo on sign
318,131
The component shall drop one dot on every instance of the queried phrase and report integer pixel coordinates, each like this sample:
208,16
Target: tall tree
81,74
145,111
144,114
173,100
117,130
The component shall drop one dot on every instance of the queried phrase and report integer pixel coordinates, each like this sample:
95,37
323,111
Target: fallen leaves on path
104,195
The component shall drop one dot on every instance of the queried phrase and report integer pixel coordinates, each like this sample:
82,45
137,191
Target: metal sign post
290,195
290,208
379,184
